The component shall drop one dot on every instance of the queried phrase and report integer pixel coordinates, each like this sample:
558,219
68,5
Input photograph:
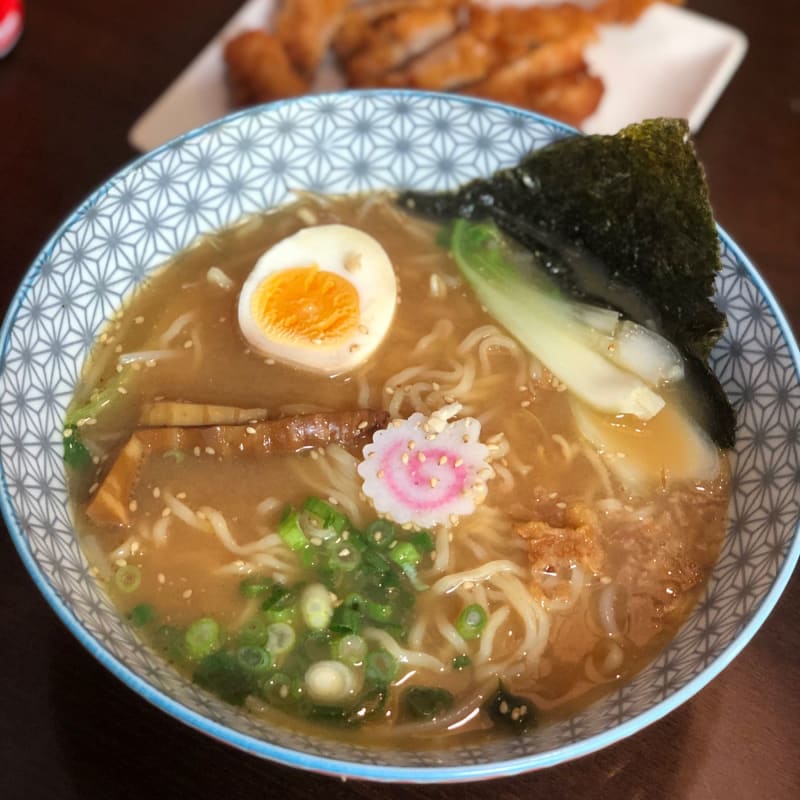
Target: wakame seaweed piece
623,221
223,675
510,711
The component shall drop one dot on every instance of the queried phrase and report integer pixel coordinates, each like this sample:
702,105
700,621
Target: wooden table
80,76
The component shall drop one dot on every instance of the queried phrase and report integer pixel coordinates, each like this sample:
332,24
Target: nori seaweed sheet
624,221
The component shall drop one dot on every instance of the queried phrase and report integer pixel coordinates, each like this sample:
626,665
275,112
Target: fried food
461,60
306,27
259,69
531,56
396,40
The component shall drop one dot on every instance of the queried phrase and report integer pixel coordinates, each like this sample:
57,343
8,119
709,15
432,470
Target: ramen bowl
344,143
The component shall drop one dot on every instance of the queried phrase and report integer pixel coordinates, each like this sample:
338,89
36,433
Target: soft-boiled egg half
322,299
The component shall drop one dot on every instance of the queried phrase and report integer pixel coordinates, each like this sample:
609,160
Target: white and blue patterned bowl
344,143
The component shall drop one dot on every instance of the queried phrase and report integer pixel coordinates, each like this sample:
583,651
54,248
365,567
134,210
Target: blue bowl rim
331,766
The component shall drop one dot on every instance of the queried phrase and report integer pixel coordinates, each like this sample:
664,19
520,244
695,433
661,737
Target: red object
12,16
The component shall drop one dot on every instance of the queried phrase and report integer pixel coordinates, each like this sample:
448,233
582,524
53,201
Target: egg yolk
306,305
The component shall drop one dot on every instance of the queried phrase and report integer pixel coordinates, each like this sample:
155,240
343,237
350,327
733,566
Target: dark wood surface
82,73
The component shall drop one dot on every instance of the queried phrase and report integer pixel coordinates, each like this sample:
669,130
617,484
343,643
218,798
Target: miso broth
580,584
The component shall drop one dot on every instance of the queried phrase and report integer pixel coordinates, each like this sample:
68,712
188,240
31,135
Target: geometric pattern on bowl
351,142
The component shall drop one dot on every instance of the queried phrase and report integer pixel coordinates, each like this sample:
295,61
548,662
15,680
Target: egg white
345,251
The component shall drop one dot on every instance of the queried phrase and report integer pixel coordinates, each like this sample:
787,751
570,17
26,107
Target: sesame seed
316,541
411,444
421,457
333,501
210,451
314,455
121,562
363,329
435,386
133,505
562,505
504,707
118,349
433,482
156,492
138,320
458,462
454,520
181,495
380,473
361,425
67,433
196,451
465,439
283,691
161,578
93,488
345,551
151,362
389,390
187,594
270,362
250,429
525,403
134,548
165,512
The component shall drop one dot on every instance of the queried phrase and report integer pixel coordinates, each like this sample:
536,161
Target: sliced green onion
281,638
423,541
380,667
128,578
254,632
375,562
316,606
329,681
461,662
254,659
344,557
280,604
76,455
289,530
345,620
202,638
405,555
142,614
378,612
282,691
326,513
425,702
471,621
350,649
254,587
381,532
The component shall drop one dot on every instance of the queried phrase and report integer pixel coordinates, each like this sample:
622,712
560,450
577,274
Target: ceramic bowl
352,142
